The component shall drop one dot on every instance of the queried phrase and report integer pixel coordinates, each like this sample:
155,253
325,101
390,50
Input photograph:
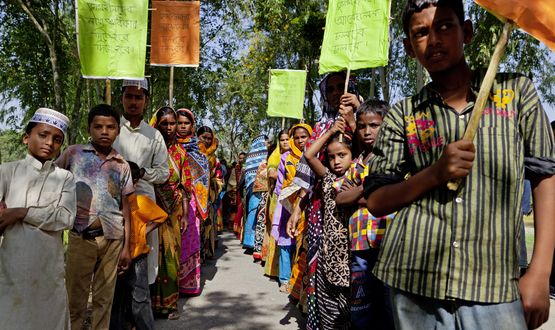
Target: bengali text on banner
112,38
175,33
356,35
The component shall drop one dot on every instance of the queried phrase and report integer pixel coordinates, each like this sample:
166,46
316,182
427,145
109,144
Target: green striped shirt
464,244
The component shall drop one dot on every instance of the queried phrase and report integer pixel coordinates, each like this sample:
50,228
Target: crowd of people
351,216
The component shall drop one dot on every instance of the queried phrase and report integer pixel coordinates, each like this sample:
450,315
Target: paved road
236,295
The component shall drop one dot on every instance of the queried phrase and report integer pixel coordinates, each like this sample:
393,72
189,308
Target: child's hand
455,162
338,126
124,260
10,216
347,185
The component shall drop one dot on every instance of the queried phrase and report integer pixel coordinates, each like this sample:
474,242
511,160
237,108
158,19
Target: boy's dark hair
553,125
416,6
147,94
242,153
30,127
373,106
135,171
104,110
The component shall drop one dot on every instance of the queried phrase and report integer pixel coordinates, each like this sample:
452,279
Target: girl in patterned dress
331,278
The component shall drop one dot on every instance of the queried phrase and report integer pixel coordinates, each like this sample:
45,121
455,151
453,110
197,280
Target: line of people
305,217
137,202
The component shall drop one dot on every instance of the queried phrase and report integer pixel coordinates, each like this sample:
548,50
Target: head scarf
294,156
51,118
198,165
328,111
257,154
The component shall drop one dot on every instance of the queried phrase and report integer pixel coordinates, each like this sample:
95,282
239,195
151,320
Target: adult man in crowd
142,144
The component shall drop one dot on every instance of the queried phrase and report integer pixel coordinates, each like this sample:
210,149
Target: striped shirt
464,244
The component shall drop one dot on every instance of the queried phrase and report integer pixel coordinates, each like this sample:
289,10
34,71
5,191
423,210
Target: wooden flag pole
108,92
345,92
483,94
171,87
282,123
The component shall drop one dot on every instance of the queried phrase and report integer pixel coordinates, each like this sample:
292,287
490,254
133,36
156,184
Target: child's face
300,137
167,125
284,142
184,125
44,142
134,100
103,131
368,125
339,157
436,38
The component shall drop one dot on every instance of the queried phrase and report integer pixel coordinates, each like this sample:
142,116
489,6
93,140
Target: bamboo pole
171,87
347,76
483,94
108,92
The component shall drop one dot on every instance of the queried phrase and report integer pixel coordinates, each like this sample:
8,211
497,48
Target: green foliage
11,146
240,41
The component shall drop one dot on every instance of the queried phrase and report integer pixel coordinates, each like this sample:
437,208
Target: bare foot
173,316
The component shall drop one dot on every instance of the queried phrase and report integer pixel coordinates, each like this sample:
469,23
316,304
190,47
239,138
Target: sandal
173,316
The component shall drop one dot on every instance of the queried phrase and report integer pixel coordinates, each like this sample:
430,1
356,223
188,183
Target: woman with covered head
299,135
208,146
269,252
189,272
173,197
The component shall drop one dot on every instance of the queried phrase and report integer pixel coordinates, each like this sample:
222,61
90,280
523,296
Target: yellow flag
536,17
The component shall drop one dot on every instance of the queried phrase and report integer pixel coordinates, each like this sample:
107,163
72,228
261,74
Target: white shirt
32,288
145,146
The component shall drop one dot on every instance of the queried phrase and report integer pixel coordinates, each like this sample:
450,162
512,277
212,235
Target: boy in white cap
38,203
140,143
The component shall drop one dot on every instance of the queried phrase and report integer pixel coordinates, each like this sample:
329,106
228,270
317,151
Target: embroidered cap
143,83
52,118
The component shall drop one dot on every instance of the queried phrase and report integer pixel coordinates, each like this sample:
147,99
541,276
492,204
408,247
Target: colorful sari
169,196
215,187
256,156
190,261
236,213
268,251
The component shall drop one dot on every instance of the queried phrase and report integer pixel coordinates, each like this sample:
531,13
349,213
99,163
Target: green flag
112,38
286,93
356,35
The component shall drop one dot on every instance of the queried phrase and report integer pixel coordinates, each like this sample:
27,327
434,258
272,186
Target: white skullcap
52,118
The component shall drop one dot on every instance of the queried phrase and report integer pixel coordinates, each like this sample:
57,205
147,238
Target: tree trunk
384,83
43,30
76,114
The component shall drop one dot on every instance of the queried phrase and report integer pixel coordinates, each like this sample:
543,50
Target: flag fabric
175,33
356,35
286,93
536,17
112,38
